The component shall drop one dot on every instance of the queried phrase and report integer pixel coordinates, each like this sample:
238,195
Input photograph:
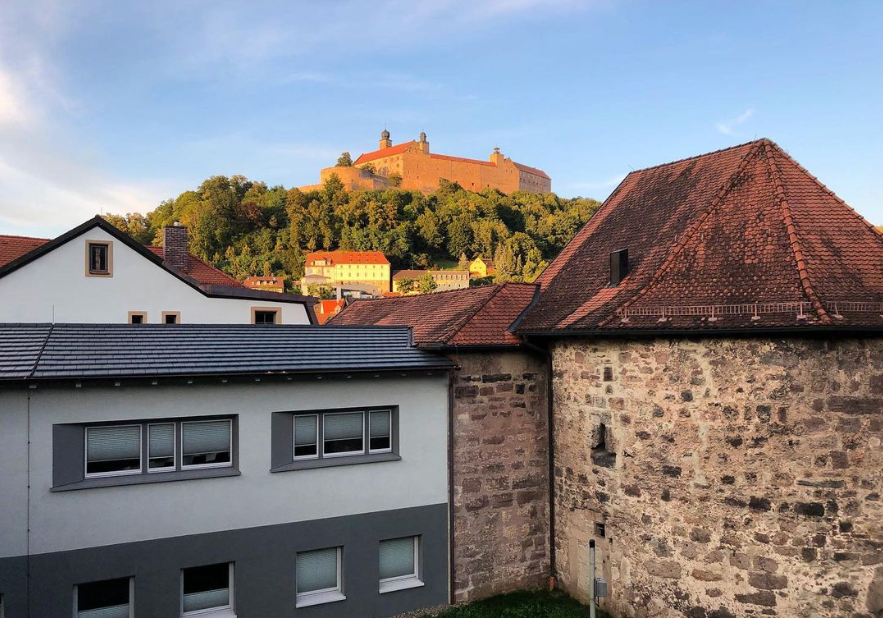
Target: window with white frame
306,436
318,576
206,444
343,433
399,564
161,447
105,599
380,431
207,590
113,450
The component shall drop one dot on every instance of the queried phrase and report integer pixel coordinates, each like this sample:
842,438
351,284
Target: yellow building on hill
481,267
334,268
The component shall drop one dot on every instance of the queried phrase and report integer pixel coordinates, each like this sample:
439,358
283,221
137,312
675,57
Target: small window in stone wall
603,453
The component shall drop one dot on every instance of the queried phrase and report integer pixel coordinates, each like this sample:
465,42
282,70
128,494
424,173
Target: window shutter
317,570
343,426
380,424
206,437
397,558
117,611
304,430
162,440
208,599
113,443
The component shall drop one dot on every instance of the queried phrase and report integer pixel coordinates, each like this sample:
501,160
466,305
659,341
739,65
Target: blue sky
114,106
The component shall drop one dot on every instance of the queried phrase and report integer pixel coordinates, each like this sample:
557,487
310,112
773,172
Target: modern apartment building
219,471
96,274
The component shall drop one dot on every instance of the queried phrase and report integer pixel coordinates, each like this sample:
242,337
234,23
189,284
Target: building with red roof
340,268
412,166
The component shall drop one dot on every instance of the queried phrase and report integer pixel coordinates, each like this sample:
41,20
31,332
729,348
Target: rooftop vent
619,266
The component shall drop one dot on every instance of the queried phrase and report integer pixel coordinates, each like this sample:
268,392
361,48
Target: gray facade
264,564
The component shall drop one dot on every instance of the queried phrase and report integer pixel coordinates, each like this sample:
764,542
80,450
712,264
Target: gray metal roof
83,351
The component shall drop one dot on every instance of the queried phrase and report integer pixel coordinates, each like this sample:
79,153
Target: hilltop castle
410,165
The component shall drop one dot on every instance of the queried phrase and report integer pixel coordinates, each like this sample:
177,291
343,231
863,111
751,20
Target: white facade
96,517
55,287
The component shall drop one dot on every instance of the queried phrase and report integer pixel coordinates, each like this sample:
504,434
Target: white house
96,274
221,471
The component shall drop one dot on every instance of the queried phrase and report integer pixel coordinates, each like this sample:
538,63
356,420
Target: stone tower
385,142
497,157
423,145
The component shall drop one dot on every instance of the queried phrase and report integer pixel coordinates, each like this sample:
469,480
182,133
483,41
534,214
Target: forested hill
245,227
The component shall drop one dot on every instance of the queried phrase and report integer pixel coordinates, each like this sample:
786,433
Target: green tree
322,292
344,160
463,262
406,285
426,284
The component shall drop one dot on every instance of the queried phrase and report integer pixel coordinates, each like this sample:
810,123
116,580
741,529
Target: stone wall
732,477
501,482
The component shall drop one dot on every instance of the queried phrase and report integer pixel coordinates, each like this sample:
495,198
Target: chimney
174,245
619,266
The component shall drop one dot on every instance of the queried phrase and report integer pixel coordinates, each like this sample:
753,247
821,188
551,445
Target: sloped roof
742,238
480,316
531,170
347,257
13,247
202,271
383,152
37,352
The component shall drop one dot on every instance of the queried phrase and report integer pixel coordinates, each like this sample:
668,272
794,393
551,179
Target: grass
523,605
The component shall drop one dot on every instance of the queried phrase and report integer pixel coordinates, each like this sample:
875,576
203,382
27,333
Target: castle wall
501,482
735,477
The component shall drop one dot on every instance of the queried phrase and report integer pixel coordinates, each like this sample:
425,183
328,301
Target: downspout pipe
550,399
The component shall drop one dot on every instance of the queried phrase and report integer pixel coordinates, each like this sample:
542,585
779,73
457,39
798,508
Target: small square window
318,577
161,447
105,599
171,317
399,561
343,434
137,317
206,444
98,259
207,590
265,316
113,450
306,436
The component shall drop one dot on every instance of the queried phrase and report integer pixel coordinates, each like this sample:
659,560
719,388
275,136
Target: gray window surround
69,454
282,443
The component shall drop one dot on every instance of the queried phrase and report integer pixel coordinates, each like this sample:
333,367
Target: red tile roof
347,257
531,170
742,238
472,317
460,159
203,272
326,309
13,247
383,152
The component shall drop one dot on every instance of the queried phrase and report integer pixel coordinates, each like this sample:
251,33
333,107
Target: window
380,431
318,577
206,444
113,451
99,258
171,317
399,559
306,436
161,447
265,315
343,434
106,599
207,590
137,317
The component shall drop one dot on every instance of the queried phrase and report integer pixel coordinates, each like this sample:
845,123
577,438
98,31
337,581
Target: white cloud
727,127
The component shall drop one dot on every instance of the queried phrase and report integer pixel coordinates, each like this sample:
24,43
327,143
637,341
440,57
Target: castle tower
385,142
497,157
423,145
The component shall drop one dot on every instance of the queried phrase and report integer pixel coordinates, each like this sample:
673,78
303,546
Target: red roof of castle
472,317
531,170
14,247
383,152
347,257
742,238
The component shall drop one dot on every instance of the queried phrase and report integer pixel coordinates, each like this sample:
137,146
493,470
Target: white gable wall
55,288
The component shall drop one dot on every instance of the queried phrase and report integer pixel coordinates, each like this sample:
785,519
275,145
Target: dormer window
619,266
99,259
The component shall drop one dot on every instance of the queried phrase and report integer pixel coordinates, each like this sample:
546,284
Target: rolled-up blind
304,430
397,558
379,424
208,599
206,437
317,570
343,426
112,443
161,440
117,611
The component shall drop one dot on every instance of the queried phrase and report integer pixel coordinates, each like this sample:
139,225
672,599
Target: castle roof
740,239
383,152
476,317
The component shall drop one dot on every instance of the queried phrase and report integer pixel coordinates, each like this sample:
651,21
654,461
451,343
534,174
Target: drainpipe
547,355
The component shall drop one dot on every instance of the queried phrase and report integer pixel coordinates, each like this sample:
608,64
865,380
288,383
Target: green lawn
523,605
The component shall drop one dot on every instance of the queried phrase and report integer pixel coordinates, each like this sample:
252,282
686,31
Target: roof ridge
23,237
691,229
794,240
452,331
699,156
